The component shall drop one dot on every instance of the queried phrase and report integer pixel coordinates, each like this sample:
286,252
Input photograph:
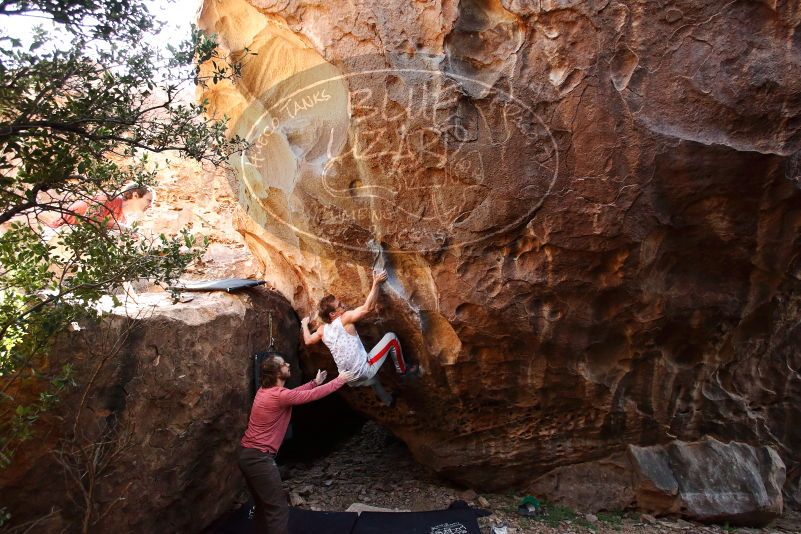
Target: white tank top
347,349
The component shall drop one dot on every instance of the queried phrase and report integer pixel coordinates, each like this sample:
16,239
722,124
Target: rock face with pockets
589,212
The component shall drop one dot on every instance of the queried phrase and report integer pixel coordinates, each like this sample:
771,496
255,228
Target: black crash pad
300,522
226,284
452,521
458,519
308,522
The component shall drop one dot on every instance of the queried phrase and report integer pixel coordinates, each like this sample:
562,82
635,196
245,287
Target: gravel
376,469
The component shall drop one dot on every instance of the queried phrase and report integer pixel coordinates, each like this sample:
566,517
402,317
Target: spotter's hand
305,321
347,376
321,376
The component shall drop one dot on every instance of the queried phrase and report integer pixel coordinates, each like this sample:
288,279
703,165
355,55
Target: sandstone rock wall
198,198
149,435
589,210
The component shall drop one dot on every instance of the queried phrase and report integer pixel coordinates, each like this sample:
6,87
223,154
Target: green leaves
96,19
80,109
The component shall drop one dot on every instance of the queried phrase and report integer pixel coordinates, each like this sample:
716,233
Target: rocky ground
374,468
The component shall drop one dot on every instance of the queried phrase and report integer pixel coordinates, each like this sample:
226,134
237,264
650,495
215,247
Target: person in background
342,339
115,213
132,201
269,418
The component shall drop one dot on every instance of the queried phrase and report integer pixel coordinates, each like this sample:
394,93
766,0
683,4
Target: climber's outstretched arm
356,314
308,337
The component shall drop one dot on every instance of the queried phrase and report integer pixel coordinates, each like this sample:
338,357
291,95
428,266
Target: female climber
340,336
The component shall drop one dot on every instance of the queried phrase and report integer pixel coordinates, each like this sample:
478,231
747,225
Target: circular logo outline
454,77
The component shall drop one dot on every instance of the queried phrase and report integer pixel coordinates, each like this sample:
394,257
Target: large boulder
706,481
147,440
599,485
589,212
710,481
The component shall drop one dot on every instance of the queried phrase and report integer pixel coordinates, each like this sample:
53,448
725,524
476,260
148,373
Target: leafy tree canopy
83,101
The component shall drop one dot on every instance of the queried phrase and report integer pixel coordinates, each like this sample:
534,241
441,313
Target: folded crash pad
226,284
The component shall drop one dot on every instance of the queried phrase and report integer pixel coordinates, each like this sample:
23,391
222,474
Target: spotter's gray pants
264,483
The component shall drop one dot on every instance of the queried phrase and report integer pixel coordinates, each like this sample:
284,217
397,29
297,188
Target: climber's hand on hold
347,376
321,376
308,337
379,277
357,314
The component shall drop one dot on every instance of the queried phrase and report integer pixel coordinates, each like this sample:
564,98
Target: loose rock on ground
374,468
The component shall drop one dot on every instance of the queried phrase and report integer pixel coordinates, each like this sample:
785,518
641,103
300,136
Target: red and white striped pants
389,344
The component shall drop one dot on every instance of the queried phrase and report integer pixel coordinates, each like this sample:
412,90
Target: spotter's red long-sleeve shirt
272,409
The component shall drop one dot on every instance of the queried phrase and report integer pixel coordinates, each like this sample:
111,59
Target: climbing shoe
412,370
